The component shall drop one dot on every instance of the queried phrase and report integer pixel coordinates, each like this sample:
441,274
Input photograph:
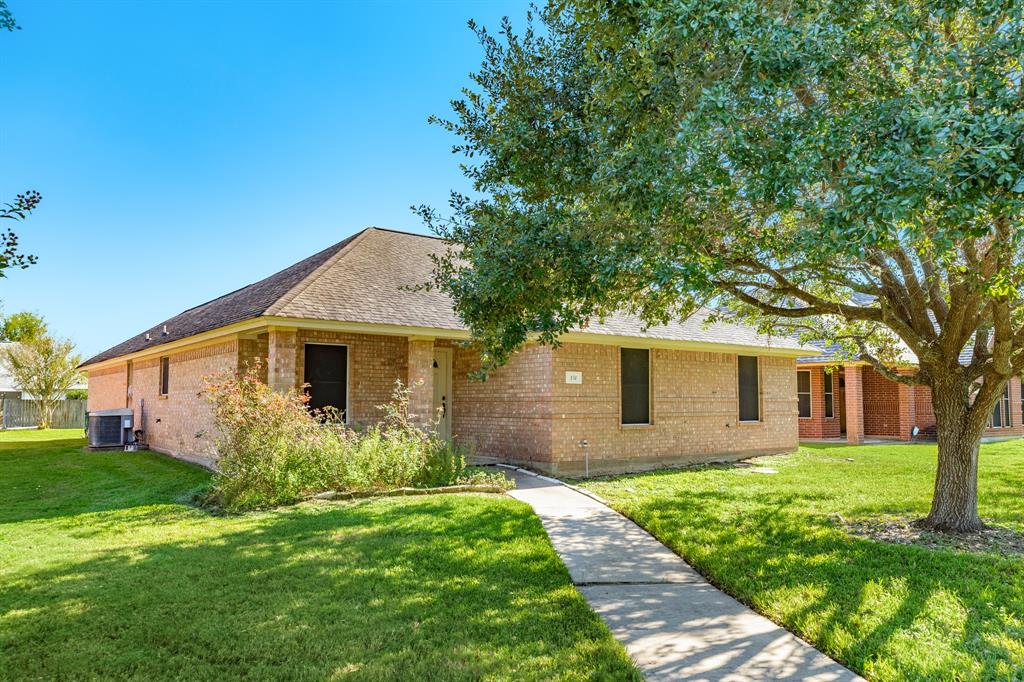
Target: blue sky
184,149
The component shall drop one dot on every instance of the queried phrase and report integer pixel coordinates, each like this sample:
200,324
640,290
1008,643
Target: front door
443,391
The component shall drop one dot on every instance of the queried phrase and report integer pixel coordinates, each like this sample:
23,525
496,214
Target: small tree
44,368
851,170
23,326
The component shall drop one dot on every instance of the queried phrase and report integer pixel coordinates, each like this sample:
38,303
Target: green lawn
106,571
890,612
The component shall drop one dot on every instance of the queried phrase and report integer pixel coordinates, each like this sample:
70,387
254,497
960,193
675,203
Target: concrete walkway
674,624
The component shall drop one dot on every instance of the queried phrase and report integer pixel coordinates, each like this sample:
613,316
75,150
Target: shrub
273,450
270,449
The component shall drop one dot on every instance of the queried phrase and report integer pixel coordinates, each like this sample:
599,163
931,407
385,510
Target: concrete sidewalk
674,624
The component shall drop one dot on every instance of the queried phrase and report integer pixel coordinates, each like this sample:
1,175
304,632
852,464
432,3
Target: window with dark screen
326,374
165,374
636,385
749,390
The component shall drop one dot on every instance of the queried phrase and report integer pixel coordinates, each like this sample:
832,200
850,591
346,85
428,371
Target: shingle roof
370,282
693,328
239,305
830,353
367,278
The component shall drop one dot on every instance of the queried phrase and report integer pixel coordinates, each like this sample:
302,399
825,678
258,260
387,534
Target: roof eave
265,322
686,344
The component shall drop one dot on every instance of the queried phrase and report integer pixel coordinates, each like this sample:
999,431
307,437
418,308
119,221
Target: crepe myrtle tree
45,368
849,170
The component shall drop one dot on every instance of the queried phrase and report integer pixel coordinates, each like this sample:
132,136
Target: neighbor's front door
443,391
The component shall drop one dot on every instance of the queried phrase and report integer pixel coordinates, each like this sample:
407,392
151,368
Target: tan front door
443,391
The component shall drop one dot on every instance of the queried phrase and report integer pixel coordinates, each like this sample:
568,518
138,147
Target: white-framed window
829,396
1000,418
803,393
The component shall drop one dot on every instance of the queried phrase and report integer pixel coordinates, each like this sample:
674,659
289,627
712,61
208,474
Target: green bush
273,450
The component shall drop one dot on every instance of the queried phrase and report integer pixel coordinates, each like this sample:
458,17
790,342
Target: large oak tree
853,170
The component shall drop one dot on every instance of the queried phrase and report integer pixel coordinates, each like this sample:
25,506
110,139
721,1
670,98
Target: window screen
803,393
636,386
750,402
326,373
165,374
828,396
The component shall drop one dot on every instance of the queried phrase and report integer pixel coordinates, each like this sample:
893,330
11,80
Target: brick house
346,322
852,401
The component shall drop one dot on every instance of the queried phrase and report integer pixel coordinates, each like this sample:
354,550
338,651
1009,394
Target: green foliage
889,611
272,450
107,573
22,326
850,171
77,394
24,203
45,368
10,249
776,159
7,21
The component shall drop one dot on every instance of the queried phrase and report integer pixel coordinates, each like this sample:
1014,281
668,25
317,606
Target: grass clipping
273,450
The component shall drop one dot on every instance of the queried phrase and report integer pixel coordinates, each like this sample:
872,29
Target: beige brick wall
694,410
509,415
374,363
180,423
524,412
108,388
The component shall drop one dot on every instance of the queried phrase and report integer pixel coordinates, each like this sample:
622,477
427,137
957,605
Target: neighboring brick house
853,401
347,322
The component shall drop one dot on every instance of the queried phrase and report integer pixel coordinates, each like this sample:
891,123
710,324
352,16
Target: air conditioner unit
111,428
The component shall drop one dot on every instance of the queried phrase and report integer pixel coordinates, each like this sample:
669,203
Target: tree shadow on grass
446,588
879,608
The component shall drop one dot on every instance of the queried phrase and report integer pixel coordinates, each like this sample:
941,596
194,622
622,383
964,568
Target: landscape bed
780,543
108,571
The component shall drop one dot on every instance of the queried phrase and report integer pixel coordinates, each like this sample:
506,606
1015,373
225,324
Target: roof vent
147,337
165,332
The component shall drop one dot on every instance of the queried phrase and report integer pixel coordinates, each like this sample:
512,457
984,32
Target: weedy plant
272,449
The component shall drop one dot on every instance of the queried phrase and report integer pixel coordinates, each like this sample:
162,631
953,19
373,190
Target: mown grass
890,612
107,572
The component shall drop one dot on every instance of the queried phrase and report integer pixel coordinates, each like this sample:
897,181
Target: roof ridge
301,286
406,232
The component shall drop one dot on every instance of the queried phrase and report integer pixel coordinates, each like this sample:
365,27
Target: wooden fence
18,413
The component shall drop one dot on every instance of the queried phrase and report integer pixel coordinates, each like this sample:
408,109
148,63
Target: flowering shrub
273,450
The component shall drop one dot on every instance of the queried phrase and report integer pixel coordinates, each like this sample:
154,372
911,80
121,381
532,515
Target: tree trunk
46,410
959,430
